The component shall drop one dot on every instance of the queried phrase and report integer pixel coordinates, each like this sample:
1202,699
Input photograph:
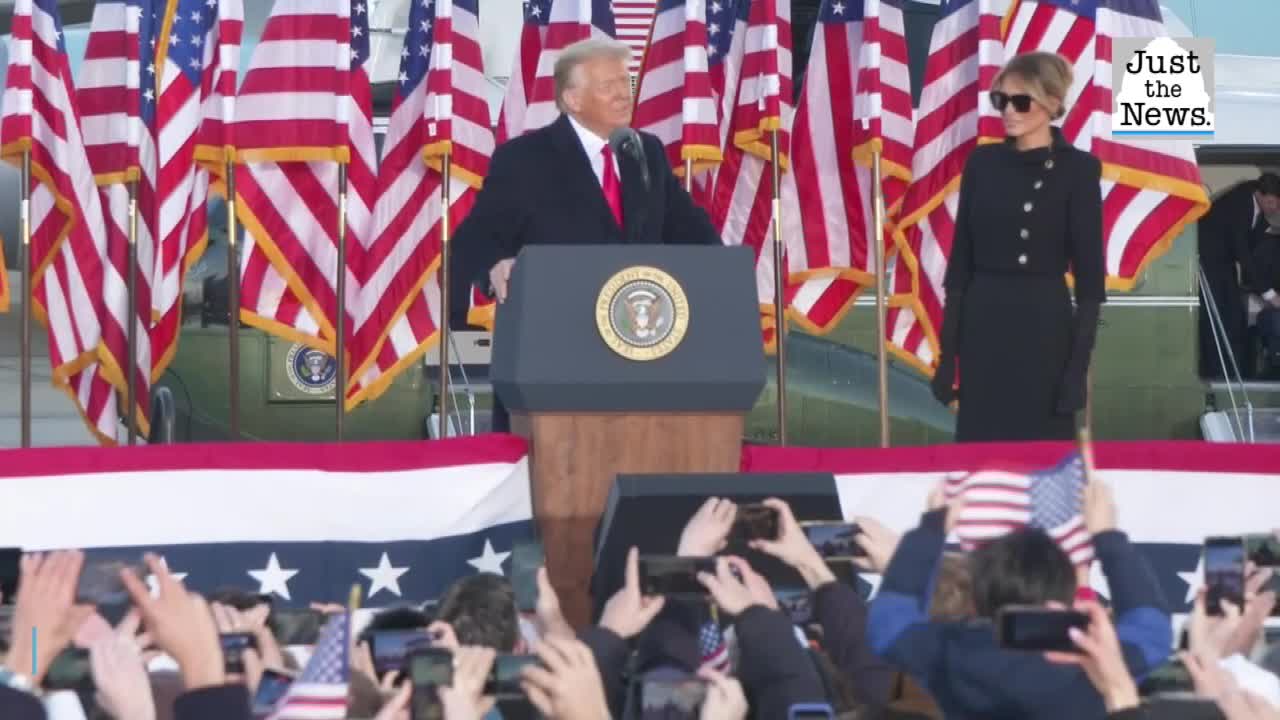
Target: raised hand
566,686
181,624
1101,658
725,699
463,700
628,612
120,676
45,603
707,532
793,548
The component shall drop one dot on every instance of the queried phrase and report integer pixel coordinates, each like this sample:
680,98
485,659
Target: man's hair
953,589
397,618
1269,184
1025,567
481,609
580,52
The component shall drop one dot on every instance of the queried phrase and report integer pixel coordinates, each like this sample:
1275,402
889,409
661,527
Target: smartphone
672,575
1224,559
526,557
1170,678
1263,549
754,521
429,669
271,688
296,626
100,583
674,699
833,540
796,602
10,571
391,648
810,711
233,646
503,682
70,670
1039,629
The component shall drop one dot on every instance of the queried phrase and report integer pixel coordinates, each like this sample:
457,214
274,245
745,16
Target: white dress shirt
594,144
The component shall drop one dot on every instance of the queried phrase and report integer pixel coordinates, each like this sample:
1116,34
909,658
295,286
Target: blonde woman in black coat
1014,351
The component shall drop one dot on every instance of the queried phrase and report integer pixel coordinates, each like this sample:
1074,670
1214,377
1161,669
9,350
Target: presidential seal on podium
642,313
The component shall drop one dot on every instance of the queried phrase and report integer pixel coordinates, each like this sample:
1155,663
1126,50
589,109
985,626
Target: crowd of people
927,643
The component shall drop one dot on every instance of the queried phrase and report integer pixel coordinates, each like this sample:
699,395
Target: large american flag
549,26
726,38
675,100
4,283
742,198
635,20
188,102
320,692
965,54
856,99
439,107
70,231
305,106
1151,189
997,502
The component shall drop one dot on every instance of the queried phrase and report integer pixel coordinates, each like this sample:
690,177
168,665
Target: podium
632,359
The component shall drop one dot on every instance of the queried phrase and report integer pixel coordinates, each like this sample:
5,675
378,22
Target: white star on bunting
273,578
489,561
384,577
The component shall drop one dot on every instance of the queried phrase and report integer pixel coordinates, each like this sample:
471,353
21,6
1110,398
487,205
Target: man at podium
587,178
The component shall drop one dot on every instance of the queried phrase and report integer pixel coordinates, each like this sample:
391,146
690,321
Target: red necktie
612,188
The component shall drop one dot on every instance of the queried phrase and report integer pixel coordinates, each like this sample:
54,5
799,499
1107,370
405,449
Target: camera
1039,629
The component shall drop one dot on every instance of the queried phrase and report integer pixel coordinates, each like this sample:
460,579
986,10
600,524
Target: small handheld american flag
320,692
997,502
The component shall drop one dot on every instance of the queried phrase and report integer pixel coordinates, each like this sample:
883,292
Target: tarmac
54,419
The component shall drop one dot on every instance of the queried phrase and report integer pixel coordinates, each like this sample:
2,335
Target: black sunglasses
1021,102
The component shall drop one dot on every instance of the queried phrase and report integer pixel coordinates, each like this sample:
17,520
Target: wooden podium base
573,458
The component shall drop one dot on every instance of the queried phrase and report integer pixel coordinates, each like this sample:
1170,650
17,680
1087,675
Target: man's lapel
577,170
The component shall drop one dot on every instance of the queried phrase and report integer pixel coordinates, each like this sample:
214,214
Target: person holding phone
1013,351
963,665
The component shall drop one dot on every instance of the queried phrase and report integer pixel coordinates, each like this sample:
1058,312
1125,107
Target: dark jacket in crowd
224,702
775,671
961,665
842,614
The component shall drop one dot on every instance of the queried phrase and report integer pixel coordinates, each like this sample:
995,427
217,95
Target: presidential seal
642,313
313,372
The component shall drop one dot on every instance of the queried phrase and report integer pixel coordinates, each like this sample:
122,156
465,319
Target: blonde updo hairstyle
1047,77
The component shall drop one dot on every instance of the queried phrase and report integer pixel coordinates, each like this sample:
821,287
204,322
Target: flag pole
688,175
131,283
779,314
340,388
446,167
882,360
27,301
233,300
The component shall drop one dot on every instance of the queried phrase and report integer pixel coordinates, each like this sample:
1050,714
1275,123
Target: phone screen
796,602
233,645
1039,629
100,583
390,648
670,575
1263,549
271,688
833,540
429,669
754,522
297,626
1224,559
810,712
70,670
503,682
10,571
676,699
526,558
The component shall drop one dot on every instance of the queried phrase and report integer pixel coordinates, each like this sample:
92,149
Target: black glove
944,380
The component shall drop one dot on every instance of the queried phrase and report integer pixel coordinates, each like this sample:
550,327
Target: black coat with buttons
1011,341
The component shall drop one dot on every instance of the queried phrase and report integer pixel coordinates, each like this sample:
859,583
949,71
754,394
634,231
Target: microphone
627,141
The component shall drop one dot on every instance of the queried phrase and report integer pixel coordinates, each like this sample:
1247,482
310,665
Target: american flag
742,198
108,99
1151,189
726,38
549,26
4,283
70,232
997,502
675,100
289,139
439,107
635,21
187,109
856,98
320,692
965,54
712,648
